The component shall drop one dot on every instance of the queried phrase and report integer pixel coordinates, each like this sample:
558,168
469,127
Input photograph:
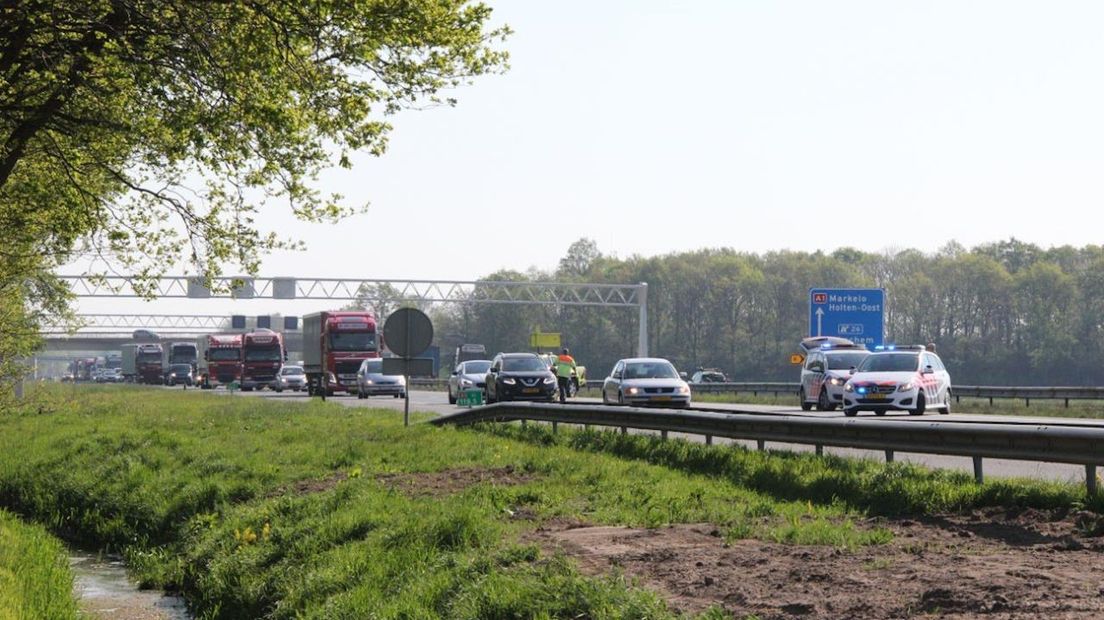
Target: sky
657,127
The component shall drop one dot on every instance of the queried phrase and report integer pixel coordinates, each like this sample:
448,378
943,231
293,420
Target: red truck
263,354
334,345
218,359
147,360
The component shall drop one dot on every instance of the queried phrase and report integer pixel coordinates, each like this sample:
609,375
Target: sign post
408,332
857,314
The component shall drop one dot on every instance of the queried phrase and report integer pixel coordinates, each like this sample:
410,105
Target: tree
154,132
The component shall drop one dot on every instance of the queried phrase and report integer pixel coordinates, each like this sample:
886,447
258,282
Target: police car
903,378
825,371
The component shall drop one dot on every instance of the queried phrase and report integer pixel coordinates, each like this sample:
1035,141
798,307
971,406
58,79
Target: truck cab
334,345
220,360
263,355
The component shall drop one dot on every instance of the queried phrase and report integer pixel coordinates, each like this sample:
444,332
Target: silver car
290,378
645,381
372,382
469,375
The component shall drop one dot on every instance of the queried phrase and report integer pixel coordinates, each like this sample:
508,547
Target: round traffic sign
408,332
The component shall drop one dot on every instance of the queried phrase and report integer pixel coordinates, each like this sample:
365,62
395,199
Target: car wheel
920,405
398,395
850,412
822,402
452,399
946,403
360,393
805,405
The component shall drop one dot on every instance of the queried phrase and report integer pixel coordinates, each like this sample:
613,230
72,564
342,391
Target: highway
437,403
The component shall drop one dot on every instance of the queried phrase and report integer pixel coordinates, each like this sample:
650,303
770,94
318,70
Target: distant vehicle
825,372
469,375
263,354
372,382
645,381
903,378
816,342
179,353
117,375
708,375
518,376
180,374
290,378
334,345
219,360
113,361
145,334
101,375
469,352
148,360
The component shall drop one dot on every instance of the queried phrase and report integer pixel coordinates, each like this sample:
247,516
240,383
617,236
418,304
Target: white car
469,375
903,378
825,372
645,381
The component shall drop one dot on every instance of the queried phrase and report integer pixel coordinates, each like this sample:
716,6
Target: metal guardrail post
709,440
663,435
555,426
889,456
1090,480
819,450
760,445
979,473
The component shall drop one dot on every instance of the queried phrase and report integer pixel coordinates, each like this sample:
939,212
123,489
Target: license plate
662,398
877,396
530,390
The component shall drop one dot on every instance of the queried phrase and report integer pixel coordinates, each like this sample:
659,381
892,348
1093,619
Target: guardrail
1040,443
1024,393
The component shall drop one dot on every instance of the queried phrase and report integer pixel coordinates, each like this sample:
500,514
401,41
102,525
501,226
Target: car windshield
374,366
476,368
889,362
523,364
353,341
182,368
650,370
223,355
267,354
843,361
291,370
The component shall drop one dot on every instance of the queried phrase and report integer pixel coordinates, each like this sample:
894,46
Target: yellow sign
797,358
544,340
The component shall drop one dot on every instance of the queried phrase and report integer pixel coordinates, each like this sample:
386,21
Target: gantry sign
347,289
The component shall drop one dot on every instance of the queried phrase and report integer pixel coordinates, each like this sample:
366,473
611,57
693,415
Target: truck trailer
219,360
129,362
334,345
263,355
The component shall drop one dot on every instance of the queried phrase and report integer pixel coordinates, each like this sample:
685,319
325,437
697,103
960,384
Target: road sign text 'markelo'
857,314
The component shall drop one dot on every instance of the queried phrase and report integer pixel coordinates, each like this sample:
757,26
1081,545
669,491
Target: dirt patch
997,564
306,487
449,481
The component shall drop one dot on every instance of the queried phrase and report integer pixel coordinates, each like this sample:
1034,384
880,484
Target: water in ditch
106,592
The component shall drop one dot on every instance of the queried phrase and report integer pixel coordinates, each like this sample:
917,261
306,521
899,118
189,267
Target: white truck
129,362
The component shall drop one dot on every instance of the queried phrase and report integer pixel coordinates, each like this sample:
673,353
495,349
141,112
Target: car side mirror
928,370
851,371
682,376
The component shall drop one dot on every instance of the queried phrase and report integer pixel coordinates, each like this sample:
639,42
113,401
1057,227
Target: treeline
1007,313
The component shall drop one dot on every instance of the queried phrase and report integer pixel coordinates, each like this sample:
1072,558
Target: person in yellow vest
565,368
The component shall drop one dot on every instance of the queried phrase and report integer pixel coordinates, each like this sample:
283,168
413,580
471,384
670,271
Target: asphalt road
437,403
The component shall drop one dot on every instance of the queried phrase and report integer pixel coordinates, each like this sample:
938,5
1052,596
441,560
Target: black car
518,376
180,374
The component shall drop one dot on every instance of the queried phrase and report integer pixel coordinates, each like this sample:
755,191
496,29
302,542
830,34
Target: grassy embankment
258,508
35,581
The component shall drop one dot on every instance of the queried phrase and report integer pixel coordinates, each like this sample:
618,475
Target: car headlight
837,381
848,388
632,391
402,380
508,380
906,386
368,382
549,380
683,390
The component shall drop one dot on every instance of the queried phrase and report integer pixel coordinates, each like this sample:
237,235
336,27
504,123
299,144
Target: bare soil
306,487
449,481
994,564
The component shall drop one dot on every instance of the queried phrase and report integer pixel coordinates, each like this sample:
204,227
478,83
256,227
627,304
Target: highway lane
437,403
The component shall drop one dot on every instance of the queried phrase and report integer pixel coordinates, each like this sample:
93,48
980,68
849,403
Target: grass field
35,581
255,508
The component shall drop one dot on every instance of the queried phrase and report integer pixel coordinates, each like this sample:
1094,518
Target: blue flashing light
879,348
862,390
892,347
825,346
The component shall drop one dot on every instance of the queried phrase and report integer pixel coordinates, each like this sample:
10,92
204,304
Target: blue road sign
857,314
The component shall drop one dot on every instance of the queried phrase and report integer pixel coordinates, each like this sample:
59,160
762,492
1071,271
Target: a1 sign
857,314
